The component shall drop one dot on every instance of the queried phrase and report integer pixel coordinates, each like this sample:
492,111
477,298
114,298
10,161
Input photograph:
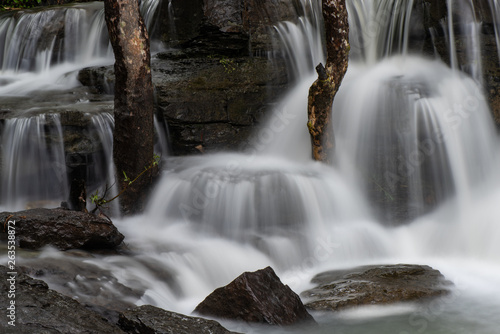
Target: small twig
99,201
5,223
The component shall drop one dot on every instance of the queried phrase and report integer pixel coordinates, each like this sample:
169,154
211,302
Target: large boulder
63,229
257,297
37,309
375,285
150,319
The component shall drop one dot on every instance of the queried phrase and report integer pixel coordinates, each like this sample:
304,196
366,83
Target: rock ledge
375,285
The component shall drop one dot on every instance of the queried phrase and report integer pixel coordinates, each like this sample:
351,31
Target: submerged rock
257,297
375,285
38,309
150,319
63,229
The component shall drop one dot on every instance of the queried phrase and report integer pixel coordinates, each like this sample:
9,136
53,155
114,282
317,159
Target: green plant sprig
100,201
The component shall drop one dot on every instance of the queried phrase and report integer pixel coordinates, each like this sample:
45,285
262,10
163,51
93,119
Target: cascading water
42,53
32,150
45,49
40,47
412,131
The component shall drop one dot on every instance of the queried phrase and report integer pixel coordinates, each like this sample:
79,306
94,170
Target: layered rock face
218,80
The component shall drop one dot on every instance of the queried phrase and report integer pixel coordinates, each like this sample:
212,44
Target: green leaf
126,179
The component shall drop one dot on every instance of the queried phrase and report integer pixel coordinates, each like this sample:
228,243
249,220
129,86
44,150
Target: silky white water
406,127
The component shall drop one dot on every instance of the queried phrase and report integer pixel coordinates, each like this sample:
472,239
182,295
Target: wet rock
41,310
101,79
255,18
97,288
215,87
210,95
62,229
375,285
178,21
257,297
150,319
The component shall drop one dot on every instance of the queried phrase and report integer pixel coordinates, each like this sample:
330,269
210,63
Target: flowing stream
413,135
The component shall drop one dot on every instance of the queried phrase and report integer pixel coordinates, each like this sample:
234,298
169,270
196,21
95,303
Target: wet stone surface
375,285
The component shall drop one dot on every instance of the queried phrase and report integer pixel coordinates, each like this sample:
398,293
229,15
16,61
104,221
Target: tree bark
134,104
324,89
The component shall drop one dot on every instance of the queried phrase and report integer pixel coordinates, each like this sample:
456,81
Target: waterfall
38,151
414,179
44,49
34,41
495,12
301,40
42,52
412,140
405,126
33,161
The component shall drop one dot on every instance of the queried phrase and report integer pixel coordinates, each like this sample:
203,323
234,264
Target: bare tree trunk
324,89
134,105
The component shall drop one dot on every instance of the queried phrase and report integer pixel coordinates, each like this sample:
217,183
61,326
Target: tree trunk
134,105
324,89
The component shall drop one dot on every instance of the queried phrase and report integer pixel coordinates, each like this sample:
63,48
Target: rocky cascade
39,309
63,229
430,36
218,82
256,297
211,93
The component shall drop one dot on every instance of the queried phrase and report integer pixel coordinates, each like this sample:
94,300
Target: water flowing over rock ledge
42,310
210,92
256,297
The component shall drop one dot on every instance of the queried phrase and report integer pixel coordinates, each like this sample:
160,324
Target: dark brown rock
257,297
177,21
41,310
150,319
375,285
208,95
63,229
96,287
254,18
